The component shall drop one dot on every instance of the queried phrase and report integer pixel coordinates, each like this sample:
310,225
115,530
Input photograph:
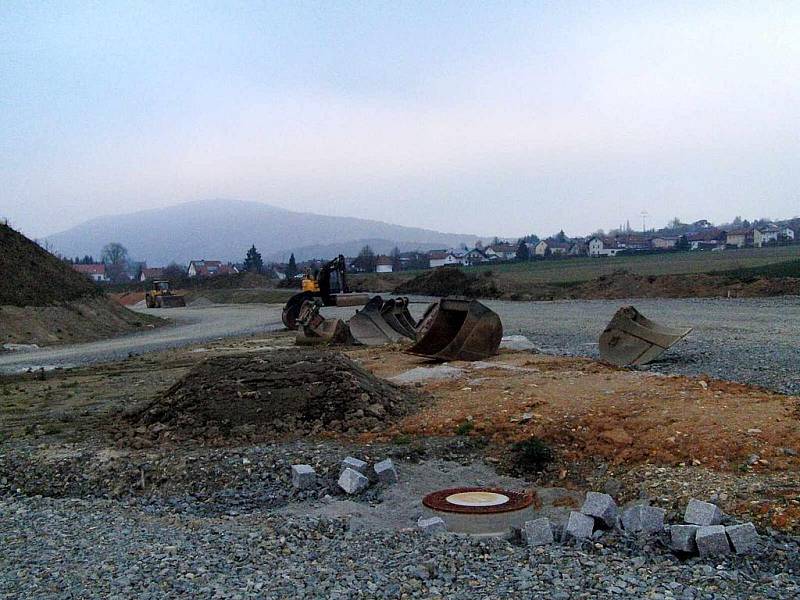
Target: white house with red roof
96,272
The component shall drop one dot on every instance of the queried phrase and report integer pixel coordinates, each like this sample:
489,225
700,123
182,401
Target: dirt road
191,326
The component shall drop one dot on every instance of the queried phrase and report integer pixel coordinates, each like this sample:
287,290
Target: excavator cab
161,296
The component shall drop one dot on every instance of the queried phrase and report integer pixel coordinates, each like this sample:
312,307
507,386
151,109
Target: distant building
599,246
383,264
766,234
664,242
501,251
209,268
477,256
150,274
739,238
96,272
437,258
710,239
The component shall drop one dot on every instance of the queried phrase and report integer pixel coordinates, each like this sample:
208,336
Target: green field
583,269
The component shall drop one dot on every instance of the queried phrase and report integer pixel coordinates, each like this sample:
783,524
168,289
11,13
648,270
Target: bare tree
115,258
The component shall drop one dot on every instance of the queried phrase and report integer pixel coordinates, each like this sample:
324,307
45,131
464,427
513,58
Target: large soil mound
451,281
44,301
295,391
31,276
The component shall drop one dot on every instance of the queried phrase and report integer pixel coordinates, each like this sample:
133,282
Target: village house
558,248
711,239
383,265
96,272
766,234
632,241
150,274
664,242
209,268
437,258
787,233
599,246
501,251
578,247
476,256
739,238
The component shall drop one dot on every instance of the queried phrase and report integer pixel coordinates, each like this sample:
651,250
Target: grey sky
486,117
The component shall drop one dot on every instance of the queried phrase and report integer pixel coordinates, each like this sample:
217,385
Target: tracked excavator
451,328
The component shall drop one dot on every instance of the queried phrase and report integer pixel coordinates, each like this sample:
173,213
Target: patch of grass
532,454
402,439
465,428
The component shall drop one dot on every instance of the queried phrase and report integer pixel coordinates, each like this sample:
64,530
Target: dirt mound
296,391
31,276
450,281
200,302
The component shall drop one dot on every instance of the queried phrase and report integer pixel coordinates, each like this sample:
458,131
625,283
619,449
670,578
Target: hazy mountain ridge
225,229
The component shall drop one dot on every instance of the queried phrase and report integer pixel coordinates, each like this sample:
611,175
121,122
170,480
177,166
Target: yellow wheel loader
161,296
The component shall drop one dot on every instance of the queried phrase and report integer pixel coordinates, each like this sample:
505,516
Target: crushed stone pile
295,391
200,302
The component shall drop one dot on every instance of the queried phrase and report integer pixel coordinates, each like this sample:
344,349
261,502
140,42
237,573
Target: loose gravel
755,341
77,548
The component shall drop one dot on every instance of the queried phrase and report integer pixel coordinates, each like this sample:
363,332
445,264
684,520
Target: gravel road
754,341
191,326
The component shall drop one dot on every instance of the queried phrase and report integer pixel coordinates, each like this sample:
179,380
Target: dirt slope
43,301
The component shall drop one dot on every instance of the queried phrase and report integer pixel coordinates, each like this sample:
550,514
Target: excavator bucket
170,301
316,329
631,339
395,313
369,327
458,329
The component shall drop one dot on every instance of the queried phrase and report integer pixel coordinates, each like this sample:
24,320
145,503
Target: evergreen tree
523,253
291,268
253,262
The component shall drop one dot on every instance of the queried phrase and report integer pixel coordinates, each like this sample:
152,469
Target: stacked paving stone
703,532
354,477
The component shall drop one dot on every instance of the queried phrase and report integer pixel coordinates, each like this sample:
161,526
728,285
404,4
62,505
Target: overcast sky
484,117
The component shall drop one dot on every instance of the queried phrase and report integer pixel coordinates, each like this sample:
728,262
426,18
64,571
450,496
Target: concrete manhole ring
477,500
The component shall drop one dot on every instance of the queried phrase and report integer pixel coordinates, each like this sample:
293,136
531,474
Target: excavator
161,296
327,287
450,329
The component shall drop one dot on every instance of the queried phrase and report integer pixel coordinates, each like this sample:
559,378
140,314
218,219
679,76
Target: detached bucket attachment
454,329
395,313
170,301
631,339
370,328
316,329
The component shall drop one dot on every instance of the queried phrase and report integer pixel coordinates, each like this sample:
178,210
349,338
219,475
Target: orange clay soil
587,409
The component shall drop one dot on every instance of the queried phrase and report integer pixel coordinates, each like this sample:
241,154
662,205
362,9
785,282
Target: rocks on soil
295,391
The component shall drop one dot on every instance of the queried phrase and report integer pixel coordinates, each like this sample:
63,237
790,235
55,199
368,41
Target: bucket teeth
383,322
316,329
631,339
458,329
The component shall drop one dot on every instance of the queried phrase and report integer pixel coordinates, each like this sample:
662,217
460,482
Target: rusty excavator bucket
458,329
631,339
395,312
316,329
370,326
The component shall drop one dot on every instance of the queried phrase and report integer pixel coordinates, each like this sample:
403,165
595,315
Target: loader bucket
631,339
456,329
170,301
370,328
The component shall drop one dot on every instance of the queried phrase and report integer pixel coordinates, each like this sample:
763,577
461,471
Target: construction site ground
665,437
